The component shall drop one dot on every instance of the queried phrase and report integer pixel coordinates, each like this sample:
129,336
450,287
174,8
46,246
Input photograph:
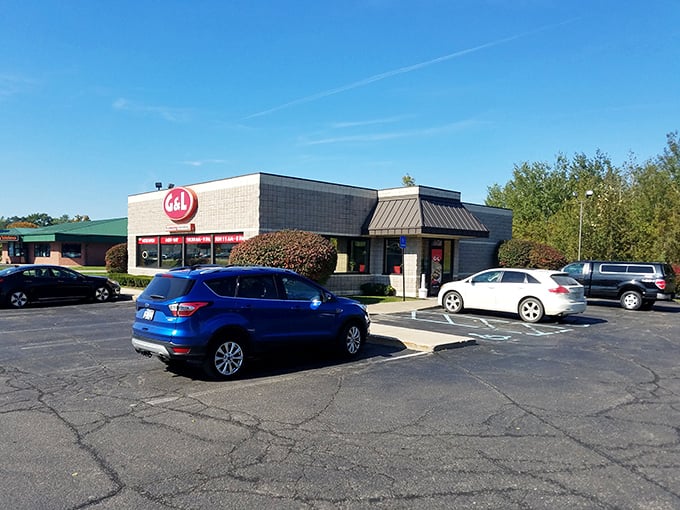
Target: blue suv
221,316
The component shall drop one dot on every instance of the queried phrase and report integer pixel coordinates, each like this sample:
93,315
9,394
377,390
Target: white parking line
421,353
162,400
62,343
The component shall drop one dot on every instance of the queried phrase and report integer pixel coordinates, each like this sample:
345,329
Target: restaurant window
171,251
147,252
197,250
71,250
224,243
358,255
392,256
15,249
42,250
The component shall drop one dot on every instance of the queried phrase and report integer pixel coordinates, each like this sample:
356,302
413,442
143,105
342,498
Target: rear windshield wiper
156,296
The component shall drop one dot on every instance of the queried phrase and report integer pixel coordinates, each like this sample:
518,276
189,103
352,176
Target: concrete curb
415,339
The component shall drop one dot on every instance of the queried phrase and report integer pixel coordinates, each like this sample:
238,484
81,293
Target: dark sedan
21,285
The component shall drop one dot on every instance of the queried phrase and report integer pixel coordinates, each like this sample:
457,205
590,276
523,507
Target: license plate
148,314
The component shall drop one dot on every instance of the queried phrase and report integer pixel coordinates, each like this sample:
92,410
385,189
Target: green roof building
83,243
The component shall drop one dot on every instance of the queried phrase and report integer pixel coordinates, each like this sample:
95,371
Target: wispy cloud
164,112
402,70
201,162
377,137
370,122
12,84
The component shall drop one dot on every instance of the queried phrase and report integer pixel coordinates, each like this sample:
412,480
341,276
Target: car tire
226,357
350,340
17,299
453,302
531,310
631,300
102,294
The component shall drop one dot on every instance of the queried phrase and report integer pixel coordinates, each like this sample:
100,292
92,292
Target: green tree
407,180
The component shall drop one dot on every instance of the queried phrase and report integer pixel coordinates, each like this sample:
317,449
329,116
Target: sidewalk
405,338
414,339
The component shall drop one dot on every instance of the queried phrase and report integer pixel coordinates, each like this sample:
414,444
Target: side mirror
315,304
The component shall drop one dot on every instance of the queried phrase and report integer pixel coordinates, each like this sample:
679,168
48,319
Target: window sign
229,238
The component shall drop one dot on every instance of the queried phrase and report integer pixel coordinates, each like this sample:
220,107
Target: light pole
589,193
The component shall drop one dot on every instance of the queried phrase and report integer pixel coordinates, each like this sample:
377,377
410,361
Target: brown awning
424,215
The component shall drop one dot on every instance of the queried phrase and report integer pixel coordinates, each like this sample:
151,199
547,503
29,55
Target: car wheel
102,294
226,357
350,340
531,310
17,299
453,302
631,300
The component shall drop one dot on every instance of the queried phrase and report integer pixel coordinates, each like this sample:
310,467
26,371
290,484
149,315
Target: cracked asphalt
579,414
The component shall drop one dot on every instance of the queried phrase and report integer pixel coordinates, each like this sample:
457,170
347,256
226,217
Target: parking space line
412,355
61,343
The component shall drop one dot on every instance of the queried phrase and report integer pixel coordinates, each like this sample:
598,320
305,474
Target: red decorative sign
228,238
180,204
147,240
198,239
171,240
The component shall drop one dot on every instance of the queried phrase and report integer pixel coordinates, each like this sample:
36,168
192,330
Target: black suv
221,316
637,285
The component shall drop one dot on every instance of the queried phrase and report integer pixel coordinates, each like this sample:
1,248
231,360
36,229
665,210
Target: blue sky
101,99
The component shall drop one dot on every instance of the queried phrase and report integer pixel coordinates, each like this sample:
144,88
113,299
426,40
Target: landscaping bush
514,253
130,280
306,253
543,256
519,253
117,259
377,289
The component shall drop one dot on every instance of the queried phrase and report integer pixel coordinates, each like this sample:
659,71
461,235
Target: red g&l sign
180,204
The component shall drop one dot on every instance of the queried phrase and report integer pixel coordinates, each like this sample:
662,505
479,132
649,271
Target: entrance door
440,264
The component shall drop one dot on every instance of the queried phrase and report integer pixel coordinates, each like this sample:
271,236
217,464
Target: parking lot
583,413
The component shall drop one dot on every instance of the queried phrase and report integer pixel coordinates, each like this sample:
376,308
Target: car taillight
661,284
559,290
186,309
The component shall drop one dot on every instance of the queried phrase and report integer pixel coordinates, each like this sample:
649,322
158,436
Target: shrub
519,253
309,254
543,256
117,259
514,253
377,289
130,280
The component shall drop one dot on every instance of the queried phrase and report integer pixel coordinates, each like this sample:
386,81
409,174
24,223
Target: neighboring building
82,243
200,223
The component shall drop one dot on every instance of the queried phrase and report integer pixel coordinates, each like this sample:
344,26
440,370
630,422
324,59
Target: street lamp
589,193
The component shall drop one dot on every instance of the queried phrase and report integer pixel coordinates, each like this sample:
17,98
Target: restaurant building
414,238
82,243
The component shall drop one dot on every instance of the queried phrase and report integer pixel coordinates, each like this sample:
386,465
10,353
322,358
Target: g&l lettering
180,204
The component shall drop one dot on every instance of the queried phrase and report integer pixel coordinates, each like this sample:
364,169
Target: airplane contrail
401,70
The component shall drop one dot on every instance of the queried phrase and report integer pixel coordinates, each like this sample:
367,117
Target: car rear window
167,287
565,280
